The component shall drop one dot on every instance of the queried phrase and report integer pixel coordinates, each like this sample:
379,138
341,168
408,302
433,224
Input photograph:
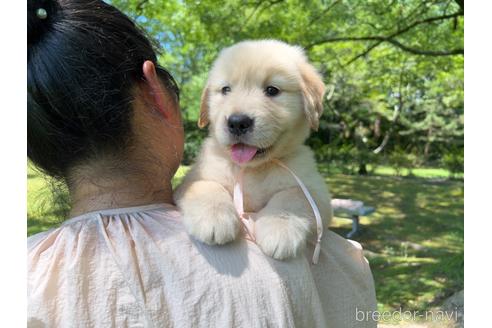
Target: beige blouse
137,267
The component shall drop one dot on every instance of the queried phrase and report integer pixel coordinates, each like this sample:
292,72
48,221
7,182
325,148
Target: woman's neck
93,190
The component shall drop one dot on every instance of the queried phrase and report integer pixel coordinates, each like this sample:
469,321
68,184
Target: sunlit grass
180,175
414,240
47,202
420,172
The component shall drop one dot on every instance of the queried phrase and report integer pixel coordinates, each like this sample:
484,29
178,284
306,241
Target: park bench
351,209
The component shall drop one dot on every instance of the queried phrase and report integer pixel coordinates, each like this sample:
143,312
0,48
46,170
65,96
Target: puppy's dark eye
225,90
271,91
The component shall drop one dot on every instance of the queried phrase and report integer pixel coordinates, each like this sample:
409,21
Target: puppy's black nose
239,124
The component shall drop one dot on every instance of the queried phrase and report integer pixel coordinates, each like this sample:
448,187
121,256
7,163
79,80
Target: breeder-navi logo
400,315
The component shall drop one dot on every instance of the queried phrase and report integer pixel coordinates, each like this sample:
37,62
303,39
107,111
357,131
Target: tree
397,66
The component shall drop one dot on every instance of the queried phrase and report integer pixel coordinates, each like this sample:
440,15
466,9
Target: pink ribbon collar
249,224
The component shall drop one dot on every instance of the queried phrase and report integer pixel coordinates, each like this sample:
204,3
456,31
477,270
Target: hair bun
40,14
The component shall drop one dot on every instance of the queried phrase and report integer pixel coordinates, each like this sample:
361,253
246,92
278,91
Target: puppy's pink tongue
242,153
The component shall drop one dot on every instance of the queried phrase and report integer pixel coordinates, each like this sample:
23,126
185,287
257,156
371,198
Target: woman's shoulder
343,257
146,255
98,257
105,225
343,273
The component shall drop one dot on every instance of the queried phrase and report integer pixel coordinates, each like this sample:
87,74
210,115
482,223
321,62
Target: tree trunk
427,144
362,169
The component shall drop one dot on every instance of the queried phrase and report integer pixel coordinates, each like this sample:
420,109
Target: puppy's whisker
252,126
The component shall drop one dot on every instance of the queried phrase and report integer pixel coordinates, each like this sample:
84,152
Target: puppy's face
260,99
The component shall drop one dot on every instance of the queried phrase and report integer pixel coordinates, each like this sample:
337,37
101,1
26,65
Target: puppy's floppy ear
313,90
203,120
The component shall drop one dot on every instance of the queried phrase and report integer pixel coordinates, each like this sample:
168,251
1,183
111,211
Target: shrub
454,161
400,159
193,141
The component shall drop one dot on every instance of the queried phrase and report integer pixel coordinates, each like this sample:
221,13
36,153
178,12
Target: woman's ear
204,107
156,88
313,90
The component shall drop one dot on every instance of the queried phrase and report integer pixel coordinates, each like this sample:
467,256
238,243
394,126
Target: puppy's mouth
242,153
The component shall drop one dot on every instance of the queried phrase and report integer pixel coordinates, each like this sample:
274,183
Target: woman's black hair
83,59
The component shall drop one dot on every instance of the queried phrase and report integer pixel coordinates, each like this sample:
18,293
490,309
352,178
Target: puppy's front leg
208,212
284,224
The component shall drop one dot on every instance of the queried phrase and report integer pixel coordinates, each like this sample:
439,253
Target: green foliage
454,161
48,201
400,159
379,55
193,141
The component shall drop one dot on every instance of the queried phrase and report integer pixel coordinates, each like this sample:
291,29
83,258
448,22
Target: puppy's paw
281,236
213,224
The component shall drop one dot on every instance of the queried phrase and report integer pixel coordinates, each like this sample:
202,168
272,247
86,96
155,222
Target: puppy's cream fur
284,219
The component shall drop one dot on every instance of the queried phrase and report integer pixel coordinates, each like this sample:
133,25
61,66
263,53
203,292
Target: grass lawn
420,172
414,240
45,209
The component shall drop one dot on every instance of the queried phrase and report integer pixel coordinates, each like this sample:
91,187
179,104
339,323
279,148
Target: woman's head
85,77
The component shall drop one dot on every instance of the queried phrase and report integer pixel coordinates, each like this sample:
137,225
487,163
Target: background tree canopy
396,68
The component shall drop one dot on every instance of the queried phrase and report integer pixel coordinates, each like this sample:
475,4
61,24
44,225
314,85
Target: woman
103,116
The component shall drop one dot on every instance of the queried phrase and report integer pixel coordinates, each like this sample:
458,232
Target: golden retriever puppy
261,100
